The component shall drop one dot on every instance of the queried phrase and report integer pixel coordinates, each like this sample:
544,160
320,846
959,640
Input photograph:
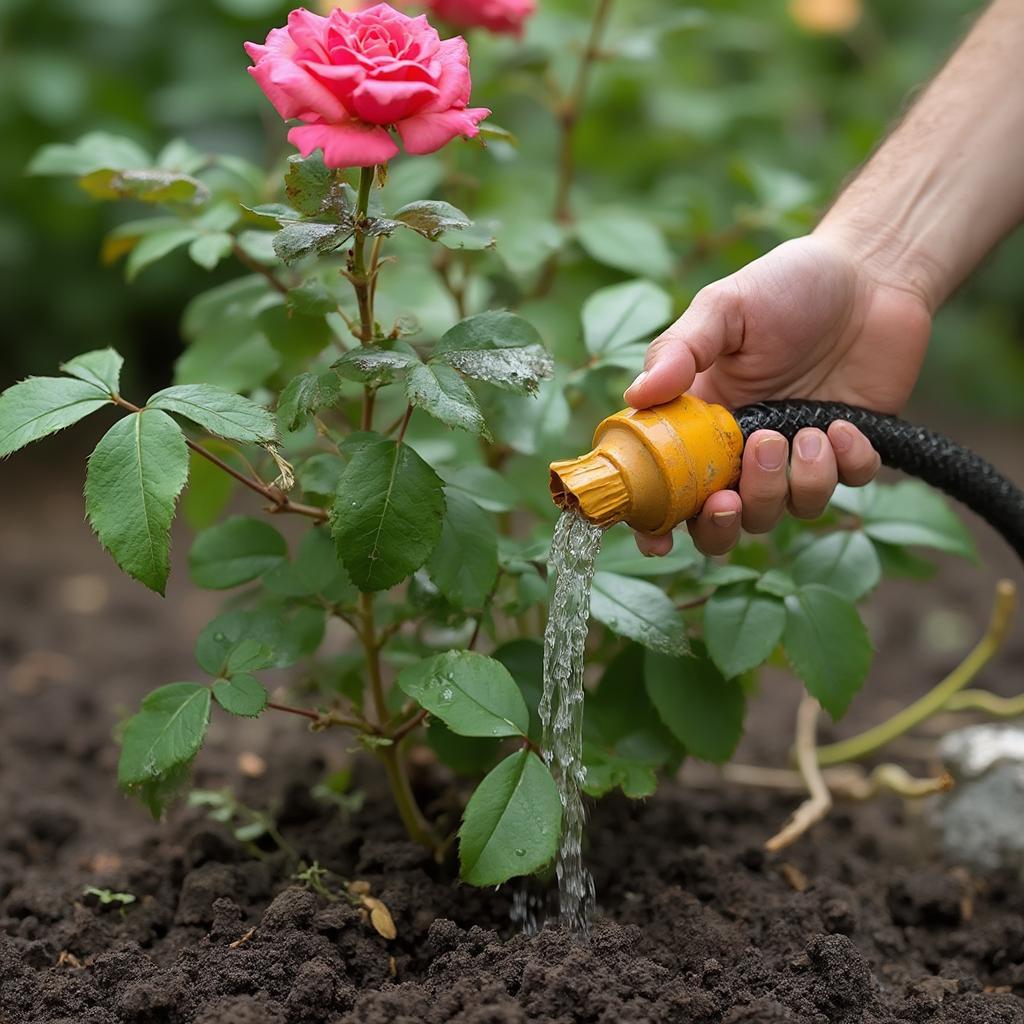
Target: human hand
807,320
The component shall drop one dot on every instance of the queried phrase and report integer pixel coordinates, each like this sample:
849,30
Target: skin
845,313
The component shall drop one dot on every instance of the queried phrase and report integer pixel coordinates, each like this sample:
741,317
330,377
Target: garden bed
860,922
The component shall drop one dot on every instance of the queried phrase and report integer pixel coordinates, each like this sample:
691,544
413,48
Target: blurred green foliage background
729,124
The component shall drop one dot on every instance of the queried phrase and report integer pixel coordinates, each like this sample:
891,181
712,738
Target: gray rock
981,820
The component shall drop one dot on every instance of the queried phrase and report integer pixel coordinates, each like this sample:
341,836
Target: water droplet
219,638
519,851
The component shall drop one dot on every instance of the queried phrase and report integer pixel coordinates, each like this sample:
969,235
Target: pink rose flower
497,15
352,77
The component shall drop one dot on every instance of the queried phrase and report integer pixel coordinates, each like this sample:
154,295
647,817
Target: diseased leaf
218,411
101,368
827,645
305,395
388,514
844,561
151,185
499,348
298,239
439,390
430,217
307,183
370,364
638,610
235,552
742,627
512,822
134,477
162,739
624,313
472,694
464,564
43,405
242,695
702,709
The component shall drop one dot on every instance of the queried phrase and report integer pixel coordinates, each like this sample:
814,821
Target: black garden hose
937,460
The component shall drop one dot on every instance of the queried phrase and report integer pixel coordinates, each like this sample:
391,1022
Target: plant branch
939,697
848,781
254,265
360,278
812,810
280,501
410,726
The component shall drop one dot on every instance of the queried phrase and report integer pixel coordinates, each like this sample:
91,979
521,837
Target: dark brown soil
860,922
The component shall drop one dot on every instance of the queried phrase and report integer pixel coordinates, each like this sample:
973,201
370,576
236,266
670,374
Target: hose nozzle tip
593,485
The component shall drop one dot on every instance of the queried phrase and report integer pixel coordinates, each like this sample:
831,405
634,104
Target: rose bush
350,78
505,16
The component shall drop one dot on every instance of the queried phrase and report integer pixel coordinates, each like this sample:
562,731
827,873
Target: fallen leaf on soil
380,918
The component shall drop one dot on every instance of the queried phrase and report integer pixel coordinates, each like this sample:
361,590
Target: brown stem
306,713
281,502
247,261
410,726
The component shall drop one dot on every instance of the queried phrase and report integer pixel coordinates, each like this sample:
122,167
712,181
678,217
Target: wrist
886,253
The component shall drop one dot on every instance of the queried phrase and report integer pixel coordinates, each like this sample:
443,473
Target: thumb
711,326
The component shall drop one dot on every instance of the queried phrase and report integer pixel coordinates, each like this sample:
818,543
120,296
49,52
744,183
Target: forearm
948,183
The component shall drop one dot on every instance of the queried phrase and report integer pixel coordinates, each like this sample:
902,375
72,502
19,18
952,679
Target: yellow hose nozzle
652,468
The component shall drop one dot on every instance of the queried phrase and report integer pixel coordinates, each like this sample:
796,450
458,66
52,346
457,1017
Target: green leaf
92,152
638,610
776,582
388,515
439,390
320,474
165,735
623,313
827,645
235,552
844,561
43,405
464,565
430,217
151,185
619,554
742,626
498,348
488,488
723,575
472,694
314,570
369,364
512,822
287,635
242,695
101,368
626,241
209,490
307,238
156,246
135,475
702,709
308,182
909,513
305,395
208,250
218,411
466,755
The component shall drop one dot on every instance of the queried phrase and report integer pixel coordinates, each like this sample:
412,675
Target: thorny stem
812,810
569,110
936,699
280,501
360,279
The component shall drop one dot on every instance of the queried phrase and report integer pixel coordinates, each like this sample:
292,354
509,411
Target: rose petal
294,92
426,133
455,82
383,102
309,31
346,144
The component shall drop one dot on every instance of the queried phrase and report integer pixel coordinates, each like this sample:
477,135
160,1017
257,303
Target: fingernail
809,445
770,453
646,553
723,518
842,437
640,378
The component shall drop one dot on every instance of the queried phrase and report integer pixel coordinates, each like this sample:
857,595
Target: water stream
574,550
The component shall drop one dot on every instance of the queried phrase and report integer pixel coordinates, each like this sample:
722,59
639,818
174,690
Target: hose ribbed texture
915,450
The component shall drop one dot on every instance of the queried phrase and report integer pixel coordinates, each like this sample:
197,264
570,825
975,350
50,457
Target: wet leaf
638,610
